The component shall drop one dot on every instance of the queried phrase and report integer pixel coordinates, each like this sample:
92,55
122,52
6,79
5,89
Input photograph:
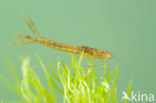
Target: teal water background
127,28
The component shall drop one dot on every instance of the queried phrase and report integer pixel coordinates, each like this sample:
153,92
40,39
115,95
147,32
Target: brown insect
87,51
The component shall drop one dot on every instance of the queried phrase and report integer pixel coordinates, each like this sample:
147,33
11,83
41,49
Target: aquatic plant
80,85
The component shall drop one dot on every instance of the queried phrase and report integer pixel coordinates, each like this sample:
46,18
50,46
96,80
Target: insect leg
103,63
90,64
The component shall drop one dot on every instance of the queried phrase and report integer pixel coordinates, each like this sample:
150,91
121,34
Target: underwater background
127,28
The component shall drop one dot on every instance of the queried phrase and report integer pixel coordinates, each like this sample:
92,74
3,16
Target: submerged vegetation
79,85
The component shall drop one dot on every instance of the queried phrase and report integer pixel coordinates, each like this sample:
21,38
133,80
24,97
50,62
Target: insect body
87,51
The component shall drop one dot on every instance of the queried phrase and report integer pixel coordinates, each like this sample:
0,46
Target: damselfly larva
87,51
